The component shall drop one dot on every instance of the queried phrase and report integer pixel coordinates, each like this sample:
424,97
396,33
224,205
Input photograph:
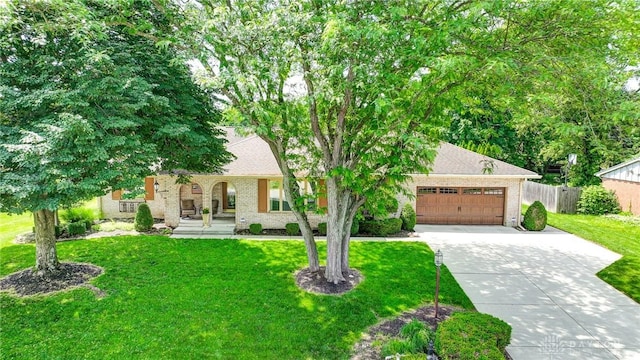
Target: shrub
408,217
76,228
255,229
414,339
292,229
381,227
596,200
80,214
322,228
355,227
144,220
535,218
472,335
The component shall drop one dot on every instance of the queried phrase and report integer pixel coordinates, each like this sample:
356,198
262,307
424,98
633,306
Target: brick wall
628,194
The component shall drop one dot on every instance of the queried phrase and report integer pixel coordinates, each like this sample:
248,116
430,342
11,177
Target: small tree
144,220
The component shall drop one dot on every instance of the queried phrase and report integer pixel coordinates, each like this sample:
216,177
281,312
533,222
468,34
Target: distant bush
78,214
76,228
381,227
408,217
322,228
292,229
535,218
144,220
596,200
472,335
355,227
255,229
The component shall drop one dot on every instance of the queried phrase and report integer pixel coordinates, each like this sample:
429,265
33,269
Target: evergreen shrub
322,228
408,216
76,228
472,335
255,229
596,200
144,220
381,227
535,218
292,229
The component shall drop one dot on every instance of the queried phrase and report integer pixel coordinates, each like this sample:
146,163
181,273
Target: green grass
615,234
186,299
12,225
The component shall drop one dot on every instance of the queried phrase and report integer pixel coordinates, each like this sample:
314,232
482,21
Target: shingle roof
254,157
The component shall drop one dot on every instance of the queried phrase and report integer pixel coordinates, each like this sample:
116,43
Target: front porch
191,227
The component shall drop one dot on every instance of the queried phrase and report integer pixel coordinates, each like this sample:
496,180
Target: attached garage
460,205
467,188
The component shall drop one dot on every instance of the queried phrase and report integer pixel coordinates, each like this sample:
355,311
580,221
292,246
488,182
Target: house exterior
624,180
458,190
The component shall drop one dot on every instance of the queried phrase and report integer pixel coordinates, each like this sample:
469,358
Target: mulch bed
68,276
316,282
387,329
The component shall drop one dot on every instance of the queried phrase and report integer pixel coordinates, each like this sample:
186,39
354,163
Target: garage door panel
448,205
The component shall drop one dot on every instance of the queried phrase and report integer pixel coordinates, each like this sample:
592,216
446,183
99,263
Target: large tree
88,105
355,92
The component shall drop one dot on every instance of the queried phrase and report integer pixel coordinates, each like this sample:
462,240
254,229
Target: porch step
194,227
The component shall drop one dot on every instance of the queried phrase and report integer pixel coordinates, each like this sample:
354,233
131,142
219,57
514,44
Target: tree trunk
335,232
46,255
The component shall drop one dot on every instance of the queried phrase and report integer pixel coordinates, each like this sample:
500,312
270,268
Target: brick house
458,190
624,180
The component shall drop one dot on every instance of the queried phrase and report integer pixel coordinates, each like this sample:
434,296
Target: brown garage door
454,205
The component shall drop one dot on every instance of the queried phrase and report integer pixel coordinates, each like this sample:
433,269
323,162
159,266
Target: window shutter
262,195
148,188
224,196
322,191
116,195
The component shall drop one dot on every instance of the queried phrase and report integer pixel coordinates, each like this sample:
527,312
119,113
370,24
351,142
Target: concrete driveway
544,285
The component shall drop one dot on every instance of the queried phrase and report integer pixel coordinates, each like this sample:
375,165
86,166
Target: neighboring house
463,187
624,180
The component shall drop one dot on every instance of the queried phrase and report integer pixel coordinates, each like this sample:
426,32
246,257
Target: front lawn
620,236
13,225
186,299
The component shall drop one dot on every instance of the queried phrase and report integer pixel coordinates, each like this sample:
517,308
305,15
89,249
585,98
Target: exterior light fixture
156,185
438,261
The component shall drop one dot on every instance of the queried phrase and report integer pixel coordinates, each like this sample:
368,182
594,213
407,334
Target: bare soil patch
68,276
316,282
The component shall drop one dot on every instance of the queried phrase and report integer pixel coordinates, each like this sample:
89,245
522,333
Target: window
448,191
427,190
472,191
278,201
494,191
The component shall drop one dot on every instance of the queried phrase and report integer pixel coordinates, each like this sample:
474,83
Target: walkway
544,285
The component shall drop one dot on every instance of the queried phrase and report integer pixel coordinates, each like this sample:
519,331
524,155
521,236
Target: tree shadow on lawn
170,298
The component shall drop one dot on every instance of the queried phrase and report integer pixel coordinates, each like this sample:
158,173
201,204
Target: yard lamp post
438,262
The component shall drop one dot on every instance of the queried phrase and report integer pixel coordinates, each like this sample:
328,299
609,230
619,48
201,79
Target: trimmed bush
76,228
381,227
408,217
596,200
535,219
355,227
322,228
292,229
78,215
144,220
472,335
255,229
